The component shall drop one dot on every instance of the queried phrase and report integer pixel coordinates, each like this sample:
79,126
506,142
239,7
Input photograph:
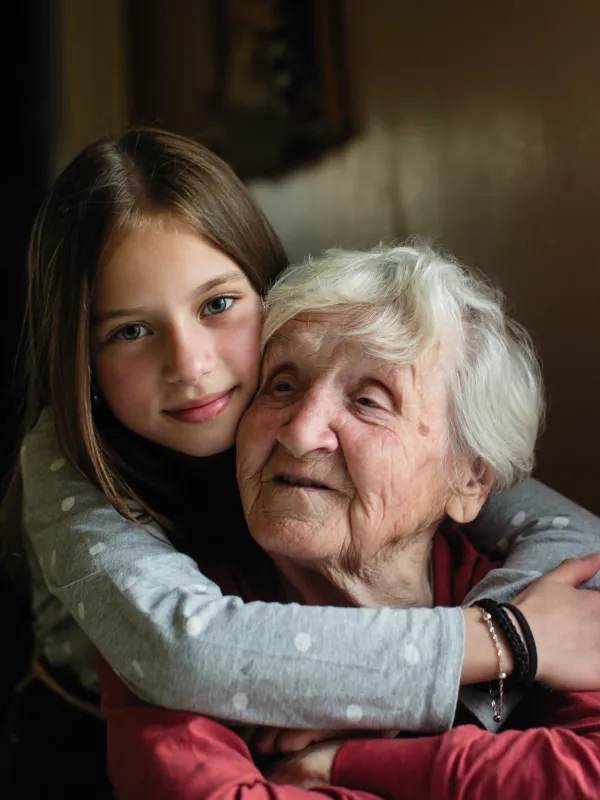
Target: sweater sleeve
536,528
165,755
178,642
558,757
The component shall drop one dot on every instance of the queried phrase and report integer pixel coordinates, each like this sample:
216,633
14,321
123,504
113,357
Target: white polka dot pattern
519,518
96,549
560,522
354,713
411,655
68,503
138,668
55,466
240,701
302,642
194,626
198,588
80,610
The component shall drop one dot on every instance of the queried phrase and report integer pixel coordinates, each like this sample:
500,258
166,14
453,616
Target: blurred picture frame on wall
275,89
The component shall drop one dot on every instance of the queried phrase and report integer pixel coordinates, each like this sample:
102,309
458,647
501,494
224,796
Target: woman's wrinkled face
342,456
175,338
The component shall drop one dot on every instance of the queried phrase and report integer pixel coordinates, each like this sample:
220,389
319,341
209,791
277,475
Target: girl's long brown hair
114,184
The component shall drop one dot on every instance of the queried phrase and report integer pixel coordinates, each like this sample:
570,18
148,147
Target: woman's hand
289,740
565,623
312,767
285,741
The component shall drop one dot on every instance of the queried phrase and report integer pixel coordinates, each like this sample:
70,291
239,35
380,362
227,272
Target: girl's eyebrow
203,288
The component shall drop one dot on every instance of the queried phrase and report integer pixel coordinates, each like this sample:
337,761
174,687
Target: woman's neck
402,579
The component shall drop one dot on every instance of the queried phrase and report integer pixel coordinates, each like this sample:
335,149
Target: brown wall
482,130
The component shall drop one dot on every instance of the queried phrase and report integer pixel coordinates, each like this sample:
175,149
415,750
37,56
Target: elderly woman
395,396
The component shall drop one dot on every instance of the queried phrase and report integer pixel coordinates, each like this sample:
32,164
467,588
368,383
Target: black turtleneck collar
199,495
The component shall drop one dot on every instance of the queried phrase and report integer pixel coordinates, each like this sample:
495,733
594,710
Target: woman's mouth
297,482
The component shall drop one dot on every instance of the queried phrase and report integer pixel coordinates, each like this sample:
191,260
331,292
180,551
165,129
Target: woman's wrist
480,660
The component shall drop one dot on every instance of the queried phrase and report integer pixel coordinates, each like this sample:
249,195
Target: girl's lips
203,411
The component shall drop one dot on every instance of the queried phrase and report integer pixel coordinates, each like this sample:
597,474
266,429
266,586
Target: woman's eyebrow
203,288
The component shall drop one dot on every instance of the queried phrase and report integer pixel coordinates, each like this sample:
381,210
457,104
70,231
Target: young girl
147,263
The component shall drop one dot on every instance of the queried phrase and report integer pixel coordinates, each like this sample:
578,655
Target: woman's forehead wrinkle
320,345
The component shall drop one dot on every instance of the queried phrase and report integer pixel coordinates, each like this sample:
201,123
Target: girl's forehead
159,262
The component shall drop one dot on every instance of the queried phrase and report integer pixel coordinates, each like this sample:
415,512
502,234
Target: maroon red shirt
549,748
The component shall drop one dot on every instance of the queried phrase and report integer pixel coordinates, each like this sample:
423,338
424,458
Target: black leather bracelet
529,678
515,642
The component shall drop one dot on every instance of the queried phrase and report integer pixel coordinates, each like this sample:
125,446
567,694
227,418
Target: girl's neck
197,496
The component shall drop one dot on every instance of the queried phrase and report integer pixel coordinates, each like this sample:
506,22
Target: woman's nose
189,356
310,426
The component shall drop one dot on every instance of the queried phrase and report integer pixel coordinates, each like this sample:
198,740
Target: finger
292,741
265,742
575,571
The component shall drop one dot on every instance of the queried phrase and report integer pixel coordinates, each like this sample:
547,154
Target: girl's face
175,338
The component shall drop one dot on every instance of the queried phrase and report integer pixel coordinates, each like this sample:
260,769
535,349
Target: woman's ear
474,485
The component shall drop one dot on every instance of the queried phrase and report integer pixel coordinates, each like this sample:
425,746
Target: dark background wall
479,127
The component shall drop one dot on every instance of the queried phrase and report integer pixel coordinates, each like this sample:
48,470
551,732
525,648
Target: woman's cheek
255,440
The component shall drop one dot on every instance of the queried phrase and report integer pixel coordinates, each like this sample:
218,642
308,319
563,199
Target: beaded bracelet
496,694
522,664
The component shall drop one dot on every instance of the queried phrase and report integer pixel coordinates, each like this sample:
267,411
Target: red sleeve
467,763
174,755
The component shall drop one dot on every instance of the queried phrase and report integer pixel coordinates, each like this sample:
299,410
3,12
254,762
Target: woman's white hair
401,301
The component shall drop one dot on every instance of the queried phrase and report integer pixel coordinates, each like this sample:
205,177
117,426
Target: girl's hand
565,623
307,769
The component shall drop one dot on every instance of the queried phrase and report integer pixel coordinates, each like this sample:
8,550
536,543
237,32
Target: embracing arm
560,760
537,528
179,643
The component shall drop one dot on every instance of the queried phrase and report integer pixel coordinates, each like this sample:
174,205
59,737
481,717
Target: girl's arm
178,643
536,528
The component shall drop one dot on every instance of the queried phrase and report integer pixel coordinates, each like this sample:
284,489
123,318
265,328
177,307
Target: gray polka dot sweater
103,582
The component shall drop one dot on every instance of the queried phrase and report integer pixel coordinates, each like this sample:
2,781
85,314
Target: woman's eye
368,402
217,305
282,387
130,333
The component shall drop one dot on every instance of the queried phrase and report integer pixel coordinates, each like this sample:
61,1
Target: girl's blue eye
218,305
130,333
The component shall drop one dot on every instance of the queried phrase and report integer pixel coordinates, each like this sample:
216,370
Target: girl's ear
474,485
